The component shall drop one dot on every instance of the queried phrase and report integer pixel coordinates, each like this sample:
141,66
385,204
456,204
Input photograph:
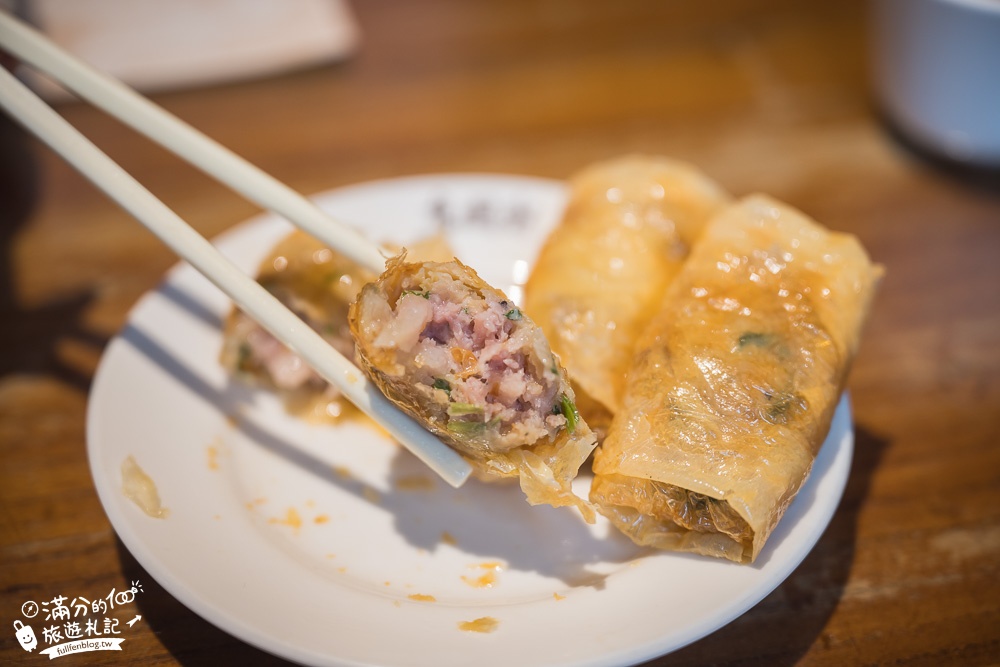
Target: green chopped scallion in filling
442,384
513,314
783,407
426,293
463,409
569,411
755,338
242,356
467,428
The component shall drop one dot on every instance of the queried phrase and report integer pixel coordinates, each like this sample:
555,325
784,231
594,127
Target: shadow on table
31,336
782,627
981,178
190,639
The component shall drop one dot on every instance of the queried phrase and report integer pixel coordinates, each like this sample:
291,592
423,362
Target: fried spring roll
460,357
734,383
602,272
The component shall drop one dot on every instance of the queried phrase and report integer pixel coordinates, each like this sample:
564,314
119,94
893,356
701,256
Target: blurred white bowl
937,74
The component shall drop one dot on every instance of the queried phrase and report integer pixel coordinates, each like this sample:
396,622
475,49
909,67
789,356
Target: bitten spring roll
602,272
461,358
734,383
318,284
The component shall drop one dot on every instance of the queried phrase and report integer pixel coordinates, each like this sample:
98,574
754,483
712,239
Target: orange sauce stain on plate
487,579
253,504
484,625
291,519
212,451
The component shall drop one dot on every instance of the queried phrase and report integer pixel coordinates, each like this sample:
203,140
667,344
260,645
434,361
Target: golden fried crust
735,381
602,272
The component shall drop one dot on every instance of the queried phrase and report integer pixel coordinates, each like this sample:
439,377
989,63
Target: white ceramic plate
332,546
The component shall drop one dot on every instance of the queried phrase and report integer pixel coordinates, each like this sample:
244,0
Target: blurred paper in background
157,45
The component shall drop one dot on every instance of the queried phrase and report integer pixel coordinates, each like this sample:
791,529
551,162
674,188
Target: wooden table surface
764,95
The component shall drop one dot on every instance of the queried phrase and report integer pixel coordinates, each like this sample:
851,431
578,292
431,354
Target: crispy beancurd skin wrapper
601,274
735,382
544,456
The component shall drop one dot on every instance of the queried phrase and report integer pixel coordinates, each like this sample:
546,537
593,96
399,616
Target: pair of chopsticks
145,117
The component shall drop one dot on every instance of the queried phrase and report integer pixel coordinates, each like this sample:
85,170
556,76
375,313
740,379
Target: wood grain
764,95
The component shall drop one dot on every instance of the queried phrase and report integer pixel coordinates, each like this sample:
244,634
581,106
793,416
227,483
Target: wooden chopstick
35,115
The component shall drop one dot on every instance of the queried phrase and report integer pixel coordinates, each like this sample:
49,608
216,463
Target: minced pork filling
479,359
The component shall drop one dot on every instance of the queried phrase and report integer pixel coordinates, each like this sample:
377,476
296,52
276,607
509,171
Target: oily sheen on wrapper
734,383
461,358
601,274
